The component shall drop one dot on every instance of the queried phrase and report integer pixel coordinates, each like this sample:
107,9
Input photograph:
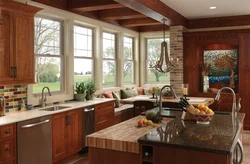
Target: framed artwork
223,66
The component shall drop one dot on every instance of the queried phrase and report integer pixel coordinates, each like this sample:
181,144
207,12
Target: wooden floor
83,158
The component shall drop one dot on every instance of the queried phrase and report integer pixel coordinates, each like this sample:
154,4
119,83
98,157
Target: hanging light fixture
160,66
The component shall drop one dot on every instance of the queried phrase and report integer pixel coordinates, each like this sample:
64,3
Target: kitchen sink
54,108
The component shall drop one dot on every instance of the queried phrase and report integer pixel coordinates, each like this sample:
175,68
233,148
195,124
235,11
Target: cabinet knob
7,149
7,132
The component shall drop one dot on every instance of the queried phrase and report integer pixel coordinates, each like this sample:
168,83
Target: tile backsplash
13,94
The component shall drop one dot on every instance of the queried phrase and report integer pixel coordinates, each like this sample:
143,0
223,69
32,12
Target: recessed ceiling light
212,7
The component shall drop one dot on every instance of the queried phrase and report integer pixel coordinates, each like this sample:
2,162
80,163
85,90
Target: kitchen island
175,141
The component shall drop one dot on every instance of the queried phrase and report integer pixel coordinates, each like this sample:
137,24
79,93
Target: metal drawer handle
35,124
7,149
7,132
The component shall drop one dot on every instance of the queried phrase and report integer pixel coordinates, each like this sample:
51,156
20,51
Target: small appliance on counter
2,106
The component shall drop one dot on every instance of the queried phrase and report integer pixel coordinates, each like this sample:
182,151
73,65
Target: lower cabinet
8,144
66,134
104,115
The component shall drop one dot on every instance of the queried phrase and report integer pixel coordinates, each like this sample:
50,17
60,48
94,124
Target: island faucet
235,108
160,101
44,100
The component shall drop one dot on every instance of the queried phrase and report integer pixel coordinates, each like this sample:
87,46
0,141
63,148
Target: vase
205,83
80,97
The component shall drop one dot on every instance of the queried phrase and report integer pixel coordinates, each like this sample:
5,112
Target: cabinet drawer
102,125
226,106
104,106
7,131
8,162
101,118
7,150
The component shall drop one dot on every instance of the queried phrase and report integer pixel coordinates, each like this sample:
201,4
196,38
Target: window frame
132,60
146,66
110,59
61,56
93,50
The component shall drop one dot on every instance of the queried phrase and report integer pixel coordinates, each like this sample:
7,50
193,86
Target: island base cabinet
66,134
162,154
105,156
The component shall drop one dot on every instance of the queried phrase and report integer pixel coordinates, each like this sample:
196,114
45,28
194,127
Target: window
83,53
153,54
109,59
48,54
128,61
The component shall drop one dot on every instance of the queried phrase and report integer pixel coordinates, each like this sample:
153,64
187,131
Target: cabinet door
5,48
23,48
74,131
59,137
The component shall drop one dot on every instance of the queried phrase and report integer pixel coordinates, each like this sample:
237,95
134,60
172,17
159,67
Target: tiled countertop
219,136
14,117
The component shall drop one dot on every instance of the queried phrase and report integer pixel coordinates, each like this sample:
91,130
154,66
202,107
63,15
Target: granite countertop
192,100
14,117
218,137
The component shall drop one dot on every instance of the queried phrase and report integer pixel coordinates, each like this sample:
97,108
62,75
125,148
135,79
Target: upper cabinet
17,43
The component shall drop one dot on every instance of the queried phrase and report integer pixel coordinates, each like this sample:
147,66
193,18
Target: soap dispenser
23,107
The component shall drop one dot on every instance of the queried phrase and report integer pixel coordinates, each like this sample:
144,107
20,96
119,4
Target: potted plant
80,89
90,89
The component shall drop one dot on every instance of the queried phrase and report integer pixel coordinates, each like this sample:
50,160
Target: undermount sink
54,108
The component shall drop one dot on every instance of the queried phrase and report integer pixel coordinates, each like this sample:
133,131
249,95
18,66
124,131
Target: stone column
176,51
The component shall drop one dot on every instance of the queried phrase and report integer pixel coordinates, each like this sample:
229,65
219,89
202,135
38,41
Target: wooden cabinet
104,113
8,144
17,43
66,134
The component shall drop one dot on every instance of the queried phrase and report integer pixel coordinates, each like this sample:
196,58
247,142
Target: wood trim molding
219,22
139,22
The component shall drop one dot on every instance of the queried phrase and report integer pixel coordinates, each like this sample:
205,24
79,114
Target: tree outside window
48,54
153,55
109,59
128,66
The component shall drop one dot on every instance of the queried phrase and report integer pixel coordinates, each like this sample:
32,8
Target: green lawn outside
37,88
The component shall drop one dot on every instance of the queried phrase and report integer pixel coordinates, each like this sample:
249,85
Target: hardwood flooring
83,158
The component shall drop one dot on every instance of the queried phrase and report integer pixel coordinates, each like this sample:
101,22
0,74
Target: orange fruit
201,106
140,122
202,112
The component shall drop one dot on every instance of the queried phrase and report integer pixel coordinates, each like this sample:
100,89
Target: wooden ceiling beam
138,22
117,14
152,28
155,9
90,5
99,7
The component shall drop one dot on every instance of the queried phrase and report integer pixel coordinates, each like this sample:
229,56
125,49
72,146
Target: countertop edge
19,116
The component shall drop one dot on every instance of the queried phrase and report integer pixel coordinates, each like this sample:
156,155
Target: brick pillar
176,51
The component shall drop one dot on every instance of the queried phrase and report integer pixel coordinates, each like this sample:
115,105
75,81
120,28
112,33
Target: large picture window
48,54
153,54
128,61
83,53
109,59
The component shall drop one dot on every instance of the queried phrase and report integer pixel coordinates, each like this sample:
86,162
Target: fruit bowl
203,118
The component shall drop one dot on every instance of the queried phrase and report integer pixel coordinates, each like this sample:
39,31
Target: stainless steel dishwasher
34,141
88,123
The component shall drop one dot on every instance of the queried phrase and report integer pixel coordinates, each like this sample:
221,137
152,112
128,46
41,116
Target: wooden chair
142,106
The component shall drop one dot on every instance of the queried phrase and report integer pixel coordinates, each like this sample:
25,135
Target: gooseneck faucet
44,100
235,108
160,101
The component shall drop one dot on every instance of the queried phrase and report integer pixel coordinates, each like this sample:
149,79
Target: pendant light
160,66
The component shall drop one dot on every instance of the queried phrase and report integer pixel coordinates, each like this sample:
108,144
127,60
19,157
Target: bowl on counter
203,118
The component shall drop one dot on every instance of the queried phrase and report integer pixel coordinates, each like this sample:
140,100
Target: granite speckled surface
218,137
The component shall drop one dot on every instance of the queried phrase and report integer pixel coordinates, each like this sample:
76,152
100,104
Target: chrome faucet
160,101
44,100
235,108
